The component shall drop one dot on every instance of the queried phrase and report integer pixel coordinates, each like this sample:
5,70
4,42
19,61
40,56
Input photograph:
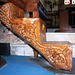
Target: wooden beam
19,3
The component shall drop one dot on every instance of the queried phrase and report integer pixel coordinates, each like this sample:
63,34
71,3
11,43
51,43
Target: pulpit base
44,64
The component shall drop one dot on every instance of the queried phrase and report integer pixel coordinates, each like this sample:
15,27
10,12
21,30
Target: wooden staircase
33,30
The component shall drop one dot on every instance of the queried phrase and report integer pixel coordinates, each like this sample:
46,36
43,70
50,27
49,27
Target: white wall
61,37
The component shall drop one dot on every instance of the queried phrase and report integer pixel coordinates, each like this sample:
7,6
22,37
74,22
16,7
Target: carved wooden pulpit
33,30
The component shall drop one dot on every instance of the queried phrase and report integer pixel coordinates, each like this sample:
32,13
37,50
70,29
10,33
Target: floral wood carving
59,54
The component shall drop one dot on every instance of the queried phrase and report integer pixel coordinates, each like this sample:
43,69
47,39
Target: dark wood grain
64,22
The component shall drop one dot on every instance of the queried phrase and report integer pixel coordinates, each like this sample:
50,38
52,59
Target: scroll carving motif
58,54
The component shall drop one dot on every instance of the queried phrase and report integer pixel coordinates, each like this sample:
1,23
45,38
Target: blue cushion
40,10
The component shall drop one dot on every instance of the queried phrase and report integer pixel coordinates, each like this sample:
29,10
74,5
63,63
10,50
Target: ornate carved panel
59,54
10,11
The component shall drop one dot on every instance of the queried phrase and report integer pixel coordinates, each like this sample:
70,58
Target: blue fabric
18,65
40,10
